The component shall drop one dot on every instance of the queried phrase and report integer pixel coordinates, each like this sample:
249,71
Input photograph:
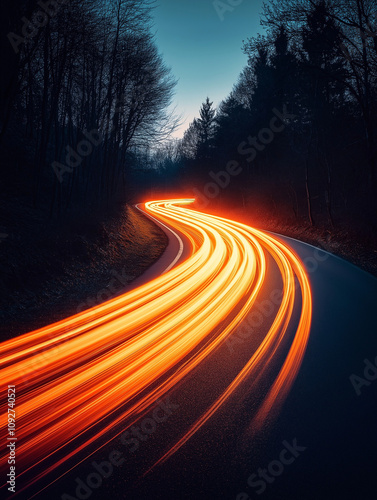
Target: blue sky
203,51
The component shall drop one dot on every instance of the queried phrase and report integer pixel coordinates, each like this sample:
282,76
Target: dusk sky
203,51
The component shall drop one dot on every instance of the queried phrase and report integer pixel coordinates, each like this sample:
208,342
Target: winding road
236,345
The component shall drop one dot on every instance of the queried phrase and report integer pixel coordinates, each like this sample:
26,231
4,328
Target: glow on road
79,378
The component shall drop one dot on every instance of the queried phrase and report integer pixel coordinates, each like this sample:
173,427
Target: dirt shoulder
357,248
342,243
49,276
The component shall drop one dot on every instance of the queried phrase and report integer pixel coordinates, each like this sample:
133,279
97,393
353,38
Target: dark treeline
83,111
83,90
299,128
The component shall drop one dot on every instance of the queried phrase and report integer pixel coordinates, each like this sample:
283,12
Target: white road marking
180,251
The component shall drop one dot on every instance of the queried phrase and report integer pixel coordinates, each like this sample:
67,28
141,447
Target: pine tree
206,130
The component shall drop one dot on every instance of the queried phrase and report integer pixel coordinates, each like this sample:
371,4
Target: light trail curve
79,378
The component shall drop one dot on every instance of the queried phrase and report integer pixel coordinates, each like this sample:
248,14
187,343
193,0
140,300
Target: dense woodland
317,65
84,92
84,118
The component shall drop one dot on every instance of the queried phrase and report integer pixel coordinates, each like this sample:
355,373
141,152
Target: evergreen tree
206,130
324,92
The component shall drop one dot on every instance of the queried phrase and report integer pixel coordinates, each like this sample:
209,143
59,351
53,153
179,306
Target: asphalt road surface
281,406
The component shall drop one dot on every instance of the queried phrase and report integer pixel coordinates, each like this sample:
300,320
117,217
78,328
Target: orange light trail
78,378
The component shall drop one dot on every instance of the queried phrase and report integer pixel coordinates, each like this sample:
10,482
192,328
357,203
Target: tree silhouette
317,63
206,130
84,95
